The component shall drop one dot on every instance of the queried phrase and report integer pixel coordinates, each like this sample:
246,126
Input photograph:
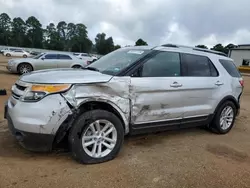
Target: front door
155,91
48,61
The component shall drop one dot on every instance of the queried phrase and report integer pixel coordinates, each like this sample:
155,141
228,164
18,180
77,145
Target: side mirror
42,58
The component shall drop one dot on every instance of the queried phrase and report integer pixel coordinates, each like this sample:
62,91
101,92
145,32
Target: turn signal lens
50,88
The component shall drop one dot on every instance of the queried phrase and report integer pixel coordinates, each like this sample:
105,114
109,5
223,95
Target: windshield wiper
91,68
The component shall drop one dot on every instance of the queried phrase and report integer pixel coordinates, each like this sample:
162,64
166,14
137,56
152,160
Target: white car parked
17,52
9,49
86,57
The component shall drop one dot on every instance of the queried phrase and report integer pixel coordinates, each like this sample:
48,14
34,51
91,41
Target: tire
8,55
25,56
24,68
82,126
216,123
76,67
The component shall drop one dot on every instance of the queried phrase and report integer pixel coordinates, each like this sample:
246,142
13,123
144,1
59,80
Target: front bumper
35,124
11,69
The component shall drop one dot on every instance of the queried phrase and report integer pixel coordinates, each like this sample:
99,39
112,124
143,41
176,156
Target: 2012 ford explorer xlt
131,90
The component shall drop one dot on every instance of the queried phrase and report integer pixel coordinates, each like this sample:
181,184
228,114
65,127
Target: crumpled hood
67,76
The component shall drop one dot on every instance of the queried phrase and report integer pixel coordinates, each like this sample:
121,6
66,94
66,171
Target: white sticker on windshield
135,52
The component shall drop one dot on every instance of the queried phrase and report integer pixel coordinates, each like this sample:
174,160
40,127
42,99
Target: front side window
51,56
164,64
198,66
63,56
118,60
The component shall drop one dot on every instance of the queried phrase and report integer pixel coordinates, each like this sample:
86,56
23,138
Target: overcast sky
187,22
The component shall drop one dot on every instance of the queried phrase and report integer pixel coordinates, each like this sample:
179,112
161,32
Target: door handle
218,83
175,84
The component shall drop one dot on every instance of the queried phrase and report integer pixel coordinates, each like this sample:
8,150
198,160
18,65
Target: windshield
118,60
38,56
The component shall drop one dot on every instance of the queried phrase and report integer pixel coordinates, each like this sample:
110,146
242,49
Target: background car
17,52
86,57
49,60
9,49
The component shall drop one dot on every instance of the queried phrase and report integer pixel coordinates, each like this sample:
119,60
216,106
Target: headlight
11,62
39,91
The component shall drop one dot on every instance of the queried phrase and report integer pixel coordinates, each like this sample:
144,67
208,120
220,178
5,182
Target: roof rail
194,48
210,51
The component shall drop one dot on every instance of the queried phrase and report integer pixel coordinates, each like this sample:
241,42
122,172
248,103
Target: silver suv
129,91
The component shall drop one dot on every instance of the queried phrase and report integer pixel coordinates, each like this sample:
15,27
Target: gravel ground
186,158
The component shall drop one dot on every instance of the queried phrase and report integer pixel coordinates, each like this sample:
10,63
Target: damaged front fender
114,93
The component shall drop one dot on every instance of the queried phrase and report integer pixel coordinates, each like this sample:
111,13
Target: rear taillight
241,83
88,62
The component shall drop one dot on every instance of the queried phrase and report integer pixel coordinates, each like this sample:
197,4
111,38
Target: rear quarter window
230,68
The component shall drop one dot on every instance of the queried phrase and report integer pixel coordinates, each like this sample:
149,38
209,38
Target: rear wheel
224,118
24,68
96,137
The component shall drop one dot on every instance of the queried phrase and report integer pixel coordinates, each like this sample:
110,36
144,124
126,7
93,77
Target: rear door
156,91
17,53
201,86
64,61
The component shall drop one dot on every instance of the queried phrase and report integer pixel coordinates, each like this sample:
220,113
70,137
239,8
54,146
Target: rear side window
230,68
198,66
62,56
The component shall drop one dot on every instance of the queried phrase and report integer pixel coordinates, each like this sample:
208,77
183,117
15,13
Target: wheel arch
108,106
76,65
228,98
24,63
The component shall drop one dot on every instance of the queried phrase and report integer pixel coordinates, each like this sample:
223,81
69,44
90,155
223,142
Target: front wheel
224,118
25,56
8,55
96,137
24,68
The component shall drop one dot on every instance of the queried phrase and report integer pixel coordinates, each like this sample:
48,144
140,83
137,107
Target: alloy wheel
99,139
226,117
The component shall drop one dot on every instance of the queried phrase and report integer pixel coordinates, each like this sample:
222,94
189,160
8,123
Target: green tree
80,41
34,33
62,31
103,46
52,38
141,42
5,32
228,47
219,47
18,32
202,46
117,47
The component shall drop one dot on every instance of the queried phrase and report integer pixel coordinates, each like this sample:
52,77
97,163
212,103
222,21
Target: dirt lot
187,158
